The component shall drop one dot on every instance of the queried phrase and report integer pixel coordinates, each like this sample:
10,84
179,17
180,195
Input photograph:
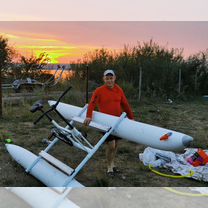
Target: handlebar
62,95
53,107
44,114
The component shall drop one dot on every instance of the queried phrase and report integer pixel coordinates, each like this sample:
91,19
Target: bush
130,91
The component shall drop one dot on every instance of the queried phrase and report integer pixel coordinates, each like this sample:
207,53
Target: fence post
1,105
140,82
195,82
179,81
87,80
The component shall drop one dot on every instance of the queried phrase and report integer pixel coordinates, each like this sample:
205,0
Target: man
111,100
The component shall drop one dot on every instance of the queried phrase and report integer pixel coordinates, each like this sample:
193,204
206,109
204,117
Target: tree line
148,67
26,67
160,71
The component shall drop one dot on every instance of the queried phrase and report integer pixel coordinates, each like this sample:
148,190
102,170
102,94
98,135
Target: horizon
67,42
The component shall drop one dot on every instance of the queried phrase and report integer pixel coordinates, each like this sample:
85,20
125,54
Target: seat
38,105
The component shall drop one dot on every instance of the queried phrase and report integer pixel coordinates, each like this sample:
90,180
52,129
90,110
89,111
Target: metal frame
53,142
93,150
78,141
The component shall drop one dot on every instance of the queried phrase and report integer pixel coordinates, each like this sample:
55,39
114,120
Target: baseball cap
109,72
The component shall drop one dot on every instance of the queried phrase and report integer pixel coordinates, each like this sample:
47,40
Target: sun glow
58,51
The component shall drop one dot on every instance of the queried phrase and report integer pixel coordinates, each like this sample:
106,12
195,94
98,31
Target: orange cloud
58,50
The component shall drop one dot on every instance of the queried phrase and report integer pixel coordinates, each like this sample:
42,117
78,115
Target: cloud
34,44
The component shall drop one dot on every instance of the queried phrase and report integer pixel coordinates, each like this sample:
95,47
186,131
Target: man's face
109,80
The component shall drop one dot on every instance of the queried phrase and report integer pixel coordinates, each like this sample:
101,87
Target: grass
187,117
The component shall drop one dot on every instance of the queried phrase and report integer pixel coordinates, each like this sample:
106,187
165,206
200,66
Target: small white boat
43,171
43,197
131,130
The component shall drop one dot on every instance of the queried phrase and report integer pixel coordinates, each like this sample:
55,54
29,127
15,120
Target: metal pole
179,81
1,111
87,80
140,82
195,82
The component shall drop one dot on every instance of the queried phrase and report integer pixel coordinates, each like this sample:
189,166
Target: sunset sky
68,29
66,41
100,10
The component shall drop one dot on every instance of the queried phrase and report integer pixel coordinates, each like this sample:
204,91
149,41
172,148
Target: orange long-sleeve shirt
109,101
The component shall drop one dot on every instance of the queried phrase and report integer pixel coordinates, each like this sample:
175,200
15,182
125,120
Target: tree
162,68
196,68
5,58
31,66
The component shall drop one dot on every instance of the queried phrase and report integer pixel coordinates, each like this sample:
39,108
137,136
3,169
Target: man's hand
87,121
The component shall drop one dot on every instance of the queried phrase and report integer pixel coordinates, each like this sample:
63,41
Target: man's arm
91,107
126,107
